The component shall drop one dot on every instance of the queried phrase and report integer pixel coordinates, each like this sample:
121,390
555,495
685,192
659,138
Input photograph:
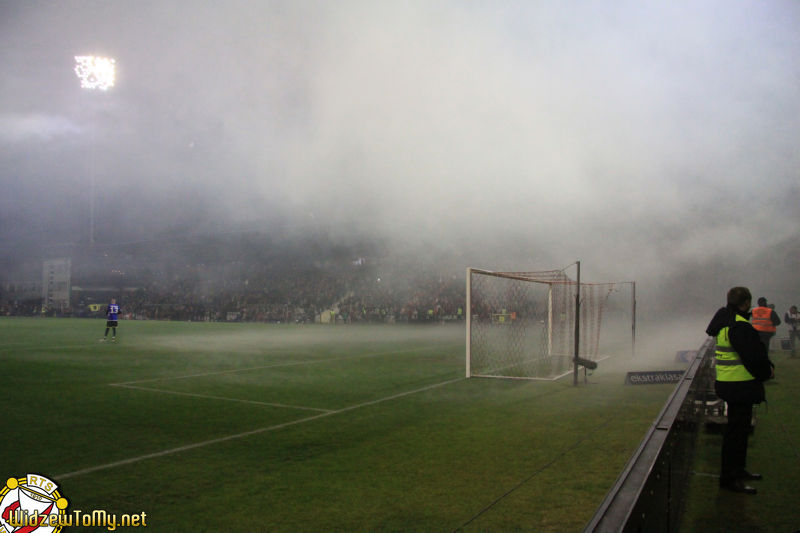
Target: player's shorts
111,323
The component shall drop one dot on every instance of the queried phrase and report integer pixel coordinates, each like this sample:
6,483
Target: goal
522,325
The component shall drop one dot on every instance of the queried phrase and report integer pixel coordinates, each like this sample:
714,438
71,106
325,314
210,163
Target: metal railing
649,494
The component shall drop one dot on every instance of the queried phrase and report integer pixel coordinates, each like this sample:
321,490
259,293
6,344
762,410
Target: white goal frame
549,359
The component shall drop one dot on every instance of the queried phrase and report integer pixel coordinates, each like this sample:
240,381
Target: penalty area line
202,444
209,397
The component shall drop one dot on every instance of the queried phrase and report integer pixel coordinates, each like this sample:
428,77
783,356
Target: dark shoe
747,476
738,486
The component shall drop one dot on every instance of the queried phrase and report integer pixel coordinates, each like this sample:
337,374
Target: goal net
522,324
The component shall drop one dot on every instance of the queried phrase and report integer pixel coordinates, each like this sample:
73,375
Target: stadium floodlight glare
95,72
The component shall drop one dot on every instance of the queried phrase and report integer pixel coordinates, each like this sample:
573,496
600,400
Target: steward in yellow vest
741,357
742,365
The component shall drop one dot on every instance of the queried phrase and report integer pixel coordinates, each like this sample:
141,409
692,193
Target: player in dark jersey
112,314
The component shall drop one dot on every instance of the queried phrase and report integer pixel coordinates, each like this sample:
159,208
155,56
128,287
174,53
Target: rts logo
31,503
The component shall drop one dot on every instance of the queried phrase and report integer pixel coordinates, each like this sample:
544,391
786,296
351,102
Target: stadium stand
252,280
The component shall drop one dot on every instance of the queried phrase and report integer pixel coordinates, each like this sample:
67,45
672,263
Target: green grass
308,428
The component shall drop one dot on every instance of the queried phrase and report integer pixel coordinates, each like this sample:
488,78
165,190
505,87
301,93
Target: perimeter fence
649,494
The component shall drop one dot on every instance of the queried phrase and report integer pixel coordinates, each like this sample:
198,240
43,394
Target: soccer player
112,314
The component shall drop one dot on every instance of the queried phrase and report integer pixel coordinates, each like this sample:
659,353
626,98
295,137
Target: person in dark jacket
792,319
742,366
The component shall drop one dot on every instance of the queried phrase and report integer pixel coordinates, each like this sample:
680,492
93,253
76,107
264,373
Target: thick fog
653,142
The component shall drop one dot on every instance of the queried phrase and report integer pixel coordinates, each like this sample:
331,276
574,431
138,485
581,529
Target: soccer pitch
307,428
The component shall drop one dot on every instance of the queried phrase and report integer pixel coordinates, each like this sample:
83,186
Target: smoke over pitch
653,143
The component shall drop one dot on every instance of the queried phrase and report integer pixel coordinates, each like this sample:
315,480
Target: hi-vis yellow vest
729,364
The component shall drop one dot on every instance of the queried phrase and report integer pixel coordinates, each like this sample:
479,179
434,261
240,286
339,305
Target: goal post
526,325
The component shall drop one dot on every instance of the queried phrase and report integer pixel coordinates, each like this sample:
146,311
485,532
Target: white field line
209,397
704,474
12,345
218,440
26,347
521,378
276,365
555,378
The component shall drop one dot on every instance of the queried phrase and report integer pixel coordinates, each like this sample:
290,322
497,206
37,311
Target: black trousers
766,337
734,442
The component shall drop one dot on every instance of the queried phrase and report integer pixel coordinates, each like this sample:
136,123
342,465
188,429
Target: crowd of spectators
358,290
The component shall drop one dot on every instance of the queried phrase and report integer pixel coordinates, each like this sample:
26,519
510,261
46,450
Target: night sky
655,142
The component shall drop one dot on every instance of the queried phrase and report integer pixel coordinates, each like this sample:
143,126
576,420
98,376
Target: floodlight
95,72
